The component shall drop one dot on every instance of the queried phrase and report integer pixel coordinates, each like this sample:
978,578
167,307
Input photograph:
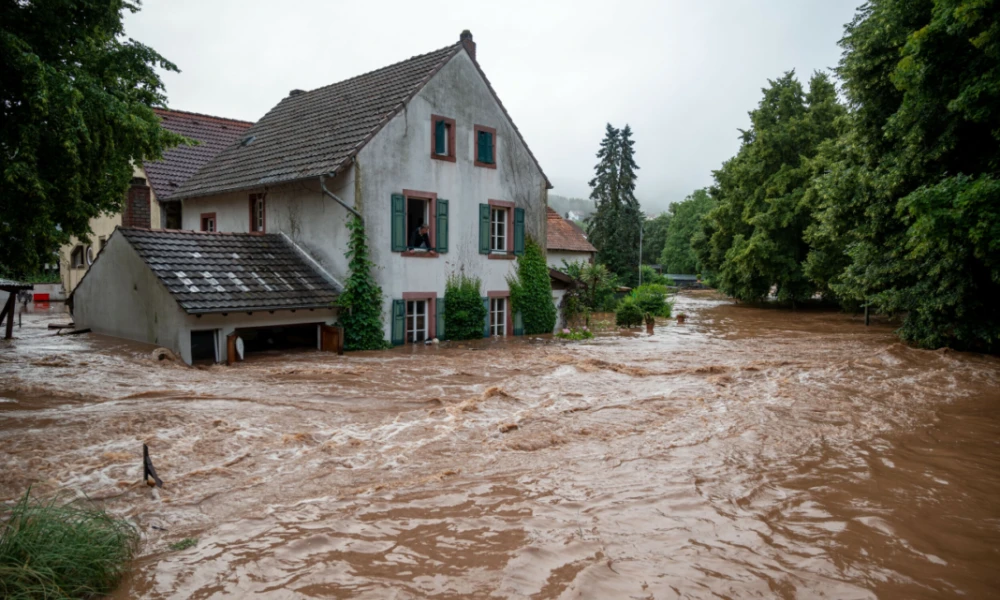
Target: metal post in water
866,315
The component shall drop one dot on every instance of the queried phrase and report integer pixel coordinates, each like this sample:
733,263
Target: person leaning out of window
419,239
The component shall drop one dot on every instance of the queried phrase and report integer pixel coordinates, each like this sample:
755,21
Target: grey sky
682,73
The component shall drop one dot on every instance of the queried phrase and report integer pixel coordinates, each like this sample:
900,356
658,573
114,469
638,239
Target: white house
425,140
566,242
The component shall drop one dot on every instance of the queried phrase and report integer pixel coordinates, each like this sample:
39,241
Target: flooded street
745,453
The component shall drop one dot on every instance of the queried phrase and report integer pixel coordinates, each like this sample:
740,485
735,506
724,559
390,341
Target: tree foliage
685,217
76,112
361,303
531,291
464,311
654,236
595,291
614,228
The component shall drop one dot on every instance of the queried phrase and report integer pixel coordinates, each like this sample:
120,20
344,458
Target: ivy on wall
464,311
361,303
531,291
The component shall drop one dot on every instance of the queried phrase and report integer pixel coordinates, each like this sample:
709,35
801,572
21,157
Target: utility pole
640,251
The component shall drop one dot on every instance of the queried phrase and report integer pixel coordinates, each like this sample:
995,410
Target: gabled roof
181,162
566,236
229,272
315,133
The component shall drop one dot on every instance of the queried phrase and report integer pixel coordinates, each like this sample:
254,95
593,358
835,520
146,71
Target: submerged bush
628,314
56,552
464,311
531,291
652,299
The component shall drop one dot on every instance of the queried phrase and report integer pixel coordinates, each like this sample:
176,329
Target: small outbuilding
208,296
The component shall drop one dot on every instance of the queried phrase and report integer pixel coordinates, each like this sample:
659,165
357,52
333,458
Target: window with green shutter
486,144
442,138
398,223
484,228
398,322
441,230
518,231
440,320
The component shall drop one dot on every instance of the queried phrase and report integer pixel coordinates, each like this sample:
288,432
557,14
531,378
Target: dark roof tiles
178,164
228,272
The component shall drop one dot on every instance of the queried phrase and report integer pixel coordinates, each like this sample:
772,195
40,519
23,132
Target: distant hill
561,204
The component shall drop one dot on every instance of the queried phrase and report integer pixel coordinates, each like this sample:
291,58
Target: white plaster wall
399,158
122,297
556,257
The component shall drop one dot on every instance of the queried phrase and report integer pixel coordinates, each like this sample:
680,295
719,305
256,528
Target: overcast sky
683,74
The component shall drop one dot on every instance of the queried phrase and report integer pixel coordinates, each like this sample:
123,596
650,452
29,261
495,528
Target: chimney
296,92
470,46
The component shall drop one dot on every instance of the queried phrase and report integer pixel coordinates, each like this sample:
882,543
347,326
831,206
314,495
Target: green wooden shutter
440,319
441,232
518,323
489,148
486,323
439,136
398,322
484,228
398,223
518,231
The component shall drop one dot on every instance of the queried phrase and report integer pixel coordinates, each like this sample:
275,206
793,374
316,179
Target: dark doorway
282,337
203,346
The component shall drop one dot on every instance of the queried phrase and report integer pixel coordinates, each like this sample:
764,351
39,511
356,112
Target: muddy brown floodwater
746,453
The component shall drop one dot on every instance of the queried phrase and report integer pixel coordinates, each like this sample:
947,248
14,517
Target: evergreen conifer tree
604,193
630,217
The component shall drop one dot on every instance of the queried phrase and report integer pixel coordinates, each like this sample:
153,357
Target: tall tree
678,256
615,227
915,199
75,112
654,236
755,238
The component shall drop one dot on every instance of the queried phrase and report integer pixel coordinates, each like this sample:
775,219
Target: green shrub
649,275
575,334
596,290
184,544
628,314
361,303
652,298
464,312
531,291
57,552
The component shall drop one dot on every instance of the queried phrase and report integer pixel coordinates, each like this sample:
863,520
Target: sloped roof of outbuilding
315,133
178,164
565,236
229,272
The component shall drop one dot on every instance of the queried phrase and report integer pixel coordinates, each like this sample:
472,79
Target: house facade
422,151
424,141
566,242
147,203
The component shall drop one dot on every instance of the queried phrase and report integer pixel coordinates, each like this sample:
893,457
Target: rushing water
746,453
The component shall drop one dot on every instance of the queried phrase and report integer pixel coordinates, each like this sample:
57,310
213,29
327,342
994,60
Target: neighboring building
425,140
153,183
566,241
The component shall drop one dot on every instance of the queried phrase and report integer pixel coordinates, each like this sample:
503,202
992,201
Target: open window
76,258
208,222
418,214
485,146
411,210
442,138
258,214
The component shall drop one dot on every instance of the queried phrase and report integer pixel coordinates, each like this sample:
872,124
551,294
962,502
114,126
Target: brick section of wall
137,207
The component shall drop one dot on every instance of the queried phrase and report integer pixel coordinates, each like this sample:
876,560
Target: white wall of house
399,158
556,257
122,297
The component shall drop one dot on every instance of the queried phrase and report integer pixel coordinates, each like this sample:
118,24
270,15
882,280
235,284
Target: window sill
415,254
504,256
443,157
492,165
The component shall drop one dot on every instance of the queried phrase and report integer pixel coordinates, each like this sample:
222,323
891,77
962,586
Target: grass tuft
52,551
184,544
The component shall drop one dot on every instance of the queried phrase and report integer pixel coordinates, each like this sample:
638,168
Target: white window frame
412,315
257,213
498,229
498,317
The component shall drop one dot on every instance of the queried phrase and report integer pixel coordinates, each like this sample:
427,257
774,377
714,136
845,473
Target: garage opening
203,346
282,337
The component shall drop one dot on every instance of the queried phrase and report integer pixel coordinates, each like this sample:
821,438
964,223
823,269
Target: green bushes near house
652,299
60,552
361,302
531,291
628,313
464,311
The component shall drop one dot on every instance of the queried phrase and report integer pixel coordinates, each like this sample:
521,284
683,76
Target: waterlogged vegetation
464,311
62,551
531,291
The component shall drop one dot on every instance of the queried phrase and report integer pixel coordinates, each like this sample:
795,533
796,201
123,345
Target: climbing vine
531,291
361,302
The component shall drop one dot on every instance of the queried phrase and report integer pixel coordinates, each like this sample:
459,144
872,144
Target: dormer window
442,138
486,147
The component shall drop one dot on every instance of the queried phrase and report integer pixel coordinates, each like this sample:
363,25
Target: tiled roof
9,285
565,236
313,133
181,162
228,272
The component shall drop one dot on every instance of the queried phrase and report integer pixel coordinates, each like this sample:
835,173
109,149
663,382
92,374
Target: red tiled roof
181,162
564,235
